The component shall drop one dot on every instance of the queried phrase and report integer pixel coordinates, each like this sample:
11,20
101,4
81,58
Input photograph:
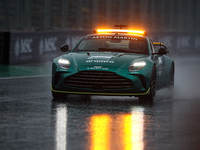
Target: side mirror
64,48
162,51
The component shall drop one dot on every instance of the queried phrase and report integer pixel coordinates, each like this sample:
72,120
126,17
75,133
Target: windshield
118,43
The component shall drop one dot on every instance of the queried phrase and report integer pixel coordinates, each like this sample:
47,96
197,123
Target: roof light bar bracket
121,26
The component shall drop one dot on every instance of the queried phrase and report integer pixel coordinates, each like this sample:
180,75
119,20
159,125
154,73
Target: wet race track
30,119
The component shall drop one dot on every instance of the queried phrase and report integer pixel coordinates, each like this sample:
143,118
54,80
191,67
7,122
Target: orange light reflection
119,131
100,128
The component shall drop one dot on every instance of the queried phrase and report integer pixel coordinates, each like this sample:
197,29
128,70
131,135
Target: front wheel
150,96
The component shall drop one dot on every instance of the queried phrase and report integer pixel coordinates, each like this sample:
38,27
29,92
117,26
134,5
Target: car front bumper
98,82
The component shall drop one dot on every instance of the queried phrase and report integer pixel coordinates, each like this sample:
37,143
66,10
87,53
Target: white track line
24,77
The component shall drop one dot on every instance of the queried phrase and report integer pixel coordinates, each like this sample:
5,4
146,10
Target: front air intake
98,80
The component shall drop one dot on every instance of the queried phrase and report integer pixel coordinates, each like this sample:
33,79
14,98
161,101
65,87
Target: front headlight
64,63
136,66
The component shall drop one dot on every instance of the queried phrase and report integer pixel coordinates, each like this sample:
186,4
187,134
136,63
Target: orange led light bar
121,31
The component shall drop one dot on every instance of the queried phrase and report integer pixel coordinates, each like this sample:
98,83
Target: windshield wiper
113,49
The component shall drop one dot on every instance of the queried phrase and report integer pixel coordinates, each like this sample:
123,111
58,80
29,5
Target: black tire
57,95
150,96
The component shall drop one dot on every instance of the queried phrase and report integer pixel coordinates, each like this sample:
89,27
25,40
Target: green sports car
113,62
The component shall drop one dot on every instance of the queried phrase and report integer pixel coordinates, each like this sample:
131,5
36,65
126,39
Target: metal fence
153,15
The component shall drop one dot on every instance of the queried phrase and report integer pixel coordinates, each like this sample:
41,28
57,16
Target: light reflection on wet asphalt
30,119
118,123
106,126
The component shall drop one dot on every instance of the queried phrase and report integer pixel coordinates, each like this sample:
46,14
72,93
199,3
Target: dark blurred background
171,15
33,30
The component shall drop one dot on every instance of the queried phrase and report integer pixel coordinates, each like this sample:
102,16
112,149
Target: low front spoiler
97,93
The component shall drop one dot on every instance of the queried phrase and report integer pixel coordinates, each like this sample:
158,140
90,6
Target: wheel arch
153,70
168,67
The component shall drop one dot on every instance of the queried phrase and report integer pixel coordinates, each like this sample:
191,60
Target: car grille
98,80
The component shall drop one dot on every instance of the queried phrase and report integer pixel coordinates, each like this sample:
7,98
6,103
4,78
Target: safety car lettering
160,69
160,61
114,37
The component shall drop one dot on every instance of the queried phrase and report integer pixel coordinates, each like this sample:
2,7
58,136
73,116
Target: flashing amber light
139,32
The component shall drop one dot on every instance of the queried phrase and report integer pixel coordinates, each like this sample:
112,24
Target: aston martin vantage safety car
113,62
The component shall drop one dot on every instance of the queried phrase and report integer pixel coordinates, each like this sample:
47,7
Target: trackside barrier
4,47
179,43
33,47
22,47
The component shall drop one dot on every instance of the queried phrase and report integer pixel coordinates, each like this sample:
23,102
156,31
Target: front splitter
98,93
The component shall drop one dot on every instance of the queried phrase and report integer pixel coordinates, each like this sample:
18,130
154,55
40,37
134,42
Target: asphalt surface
31,119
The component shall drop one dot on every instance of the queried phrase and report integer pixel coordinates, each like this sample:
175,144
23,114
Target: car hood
103,59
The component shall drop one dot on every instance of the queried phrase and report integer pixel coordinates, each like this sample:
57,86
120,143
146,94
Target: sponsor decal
100,61
97,68
23,46
47,45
